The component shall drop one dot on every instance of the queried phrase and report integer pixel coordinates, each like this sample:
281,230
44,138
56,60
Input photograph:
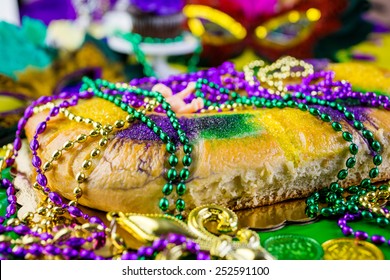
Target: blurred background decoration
46,46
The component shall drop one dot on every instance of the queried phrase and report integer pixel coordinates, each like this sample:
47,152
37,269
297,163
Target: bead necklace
136,39
273,75
362,235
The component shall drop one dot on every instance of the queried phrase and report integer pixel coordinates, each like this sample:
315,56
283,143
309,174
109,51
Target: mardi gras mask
271,28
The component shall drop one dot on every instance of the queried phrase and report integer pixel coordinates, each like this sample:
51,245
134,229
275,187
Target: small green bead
361,192
332,105
312,211
322,102
144,119
337,126
326,117
353,198
298,95
367,214
368,134
371,188
117,102
180,204
352,208
184,174
165,105
171,148
187,149
179,217
181,188
171,174
303,107
163,204
164,137
124,106
353,189
136,114
316,196
353,149
257,103
383,188
170,114
377,160
173,161
157,130
334,186
339,202
314,100
358,125
340,210
184,139
291,103
343,173
331,198
310,201
176,125
376,146
314,111
365,183
187,160
350,116
347,136
167,189
374,172
341,108
280,105
351,162
287,96
382,221
326,211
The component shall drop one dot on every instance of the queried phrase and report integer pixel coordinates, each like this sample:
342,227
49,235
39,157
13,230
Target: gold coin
351,249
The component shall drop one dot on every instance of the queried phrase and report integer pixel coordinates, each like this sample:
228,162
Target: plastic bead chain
273,75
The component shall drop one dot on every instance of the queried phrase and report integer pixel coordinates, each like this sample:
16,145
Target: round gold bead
95,153
119,124
78,192
72,203
376,210
383,194
13,222
103,142
47,166
97,125
28,216
68,145
78,119
2,164
87,121
56,154
104,132
371,196
81,138
87,164
130,118
94,133
80,177
36,186
108,127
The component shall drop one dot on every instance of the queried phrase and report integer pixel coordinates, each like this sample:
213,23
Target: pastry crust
272,155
